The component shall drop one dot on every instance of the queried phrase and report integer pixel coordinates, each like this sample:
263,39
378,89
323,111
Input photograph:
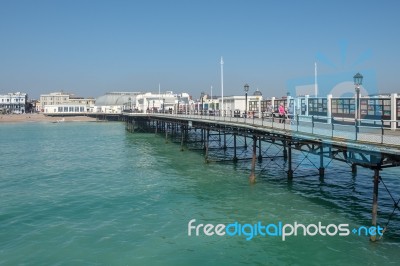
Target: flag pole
315,80
222,86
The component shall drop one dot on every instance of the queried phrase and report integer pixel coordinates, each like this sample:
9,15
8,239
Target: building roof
119,98
257,93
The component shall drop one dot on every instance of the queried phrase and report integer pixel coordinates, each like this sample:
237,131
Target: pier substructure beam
252,177
235,159
321,168
156,128
290,170
259,150
375,202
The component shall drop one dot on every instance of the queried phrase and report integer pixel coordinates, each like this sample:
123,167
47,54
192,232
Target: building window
375,109
71,109
76,109
317,106
82,109
344,107
60,109
253,106
65,109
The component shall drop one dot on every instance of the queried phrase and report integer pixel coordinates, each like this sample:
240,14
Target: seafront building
162,102
16,103
64,103
116,102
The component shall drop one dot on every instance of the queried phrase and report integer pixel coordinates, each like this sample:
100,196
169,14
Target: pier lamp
357,82
246,89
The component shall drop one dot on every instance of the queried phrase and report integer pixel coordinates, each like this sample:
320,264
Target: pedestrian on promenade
281,111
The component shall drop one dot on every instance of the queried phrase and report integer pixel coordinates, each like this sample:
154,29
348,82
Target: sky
90,47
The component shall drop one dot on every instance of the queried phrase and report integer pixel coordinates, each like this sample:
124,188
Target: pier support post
284,151
290,170
182,136
166,133
252,177
203,138
375,202
321,162
245,141
259,150
235,159
206,144
224,140
353,168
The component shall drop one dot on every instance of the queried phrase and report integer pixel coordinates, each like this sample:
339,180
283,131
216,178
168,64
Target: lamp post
357,82
246,89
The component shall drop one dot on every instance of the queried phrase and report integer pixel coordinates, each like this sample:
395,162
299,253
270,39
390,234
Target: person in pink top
281,111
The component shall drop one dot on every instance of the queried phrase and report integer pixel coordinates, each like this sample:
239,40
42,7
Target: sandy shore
42,118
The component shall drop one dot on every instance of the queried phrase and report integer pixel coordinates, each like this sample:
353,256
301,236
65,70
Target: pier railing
372,131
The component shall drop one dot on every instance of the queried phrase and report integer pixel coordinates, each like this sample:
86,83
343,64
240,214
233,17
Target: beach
16,118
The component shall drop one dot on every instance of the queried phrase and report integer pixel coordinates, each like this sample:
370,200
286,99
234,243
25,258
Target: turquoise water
93,194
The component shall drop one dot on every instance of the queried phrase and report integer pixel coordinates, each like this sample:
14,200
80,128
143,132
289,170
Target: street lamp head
358,79
246,87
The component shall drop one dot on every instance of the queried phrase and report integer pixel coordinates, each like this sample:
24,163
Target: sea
91,193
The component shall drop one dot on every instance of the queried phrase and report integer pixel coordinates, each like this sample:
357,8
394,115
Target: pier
365,144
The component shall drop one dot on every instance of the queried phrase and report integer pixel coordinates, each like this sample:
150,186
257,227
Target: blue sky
91,47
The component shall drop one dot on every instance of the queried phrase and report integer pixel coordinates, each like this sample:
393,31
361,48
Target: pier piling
252,177
290,171
375,201
321,169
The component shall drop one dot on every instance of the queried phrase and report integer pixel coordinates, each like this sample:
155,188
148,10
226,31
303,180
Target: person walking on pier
281,111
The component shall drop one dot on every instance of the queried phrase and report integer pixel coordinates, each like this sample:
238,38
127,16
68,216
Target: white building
115,102
163,102
238,103
118,102
13,102
66,109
